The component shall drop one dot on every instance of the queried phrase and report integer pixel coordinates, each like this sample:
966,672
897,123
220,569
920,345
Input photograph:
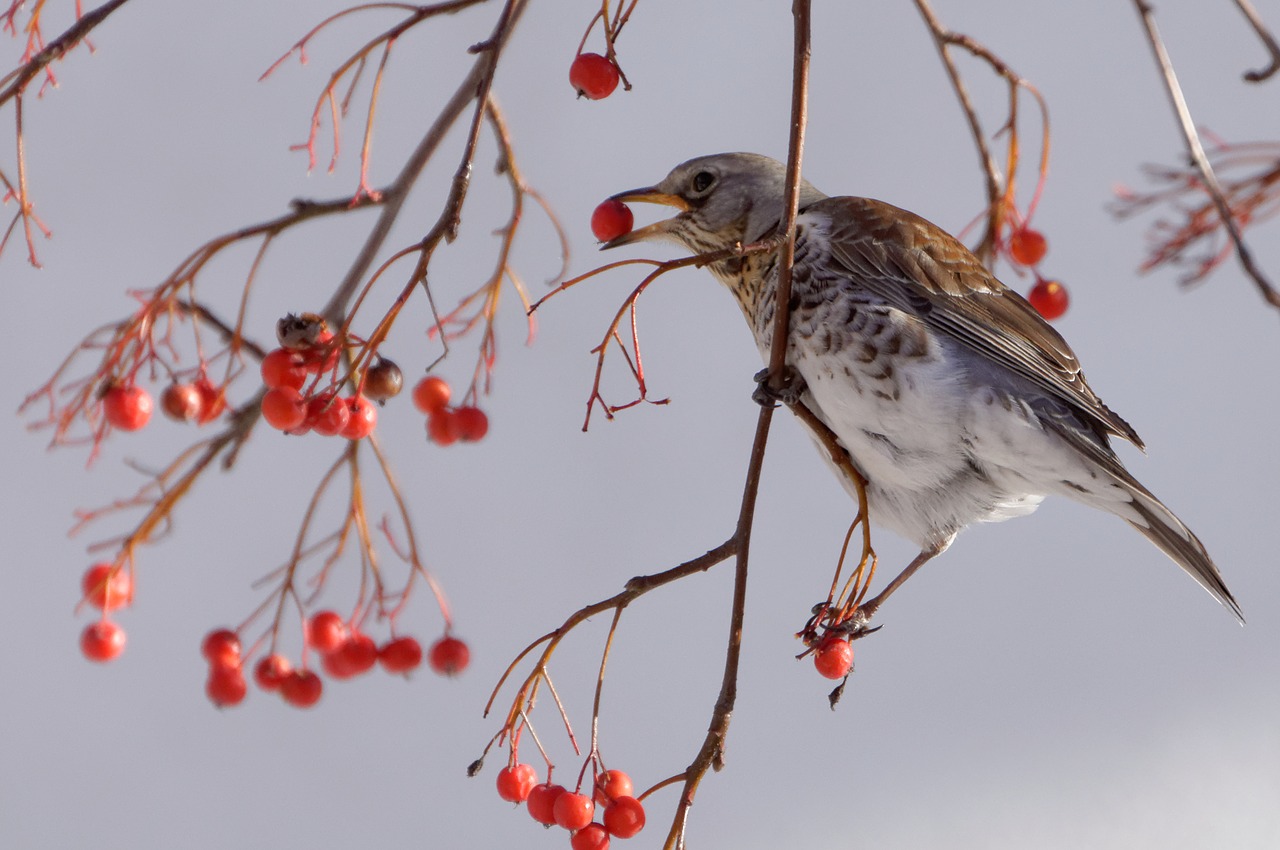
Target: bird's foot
793,386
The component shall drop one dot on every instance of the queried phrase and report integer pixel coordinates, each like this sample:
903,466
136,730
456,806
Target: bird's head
724,199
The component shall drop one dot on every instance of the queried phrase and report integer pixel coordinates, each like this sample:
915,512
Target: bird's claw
793,386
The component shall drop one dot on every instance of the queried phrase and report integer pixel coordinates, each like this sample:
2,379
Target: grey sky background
1051,682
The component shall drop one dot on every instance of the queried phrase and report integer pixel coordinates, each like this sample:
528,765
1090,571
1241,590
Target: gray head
724,199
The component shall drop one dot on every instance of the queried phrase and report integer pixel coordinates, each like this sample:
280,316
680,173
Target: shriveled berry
271,671
449,656
106,587
1027,246
611,219
383,380
400,655
102,641
301,688
624,817
1050,298
593,76
127,407
541,802
182,402
573,811
834,657
430,394
226,686
516,781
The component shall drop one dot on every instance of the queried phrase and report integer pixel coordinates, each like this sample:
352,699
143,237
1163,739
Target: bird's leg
793,386
857,623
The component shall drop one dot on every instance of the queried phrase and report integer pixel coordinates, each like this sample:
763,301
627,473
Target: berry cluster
447,425
107,587
128,407
1027,247
622,815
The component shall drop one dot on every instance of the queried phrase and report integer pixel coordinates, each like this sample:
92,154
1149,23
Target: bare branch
1268,41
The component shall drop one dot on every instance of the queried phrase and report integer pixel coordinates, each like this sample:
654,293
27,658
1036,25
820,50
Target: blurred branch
1198,158
16,81
1268,41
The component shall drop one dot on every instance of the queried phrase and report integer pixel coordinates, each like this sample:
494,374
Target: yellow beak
648,195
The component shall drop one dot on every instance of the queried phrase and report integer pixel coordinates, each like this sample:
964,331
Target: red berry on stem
1050,298
612,784
284,367
301,689
221,648
624,817
449,656
213,400
102,641
363,418
401,655
357,654
573,811
611,219
442,427
127,407
271,671
541,802
834,657
470,424
516,781
593,836
325,632
593,76
1027,246
431,394
182,402
226,686
284,408
328,415
107,588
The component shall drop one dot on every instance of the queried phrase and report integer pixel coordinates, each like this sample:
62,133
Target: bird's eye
702,181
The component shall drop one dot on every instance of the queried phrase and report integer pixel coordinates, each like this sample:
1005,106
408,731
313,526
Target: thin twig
1268,41
1198,157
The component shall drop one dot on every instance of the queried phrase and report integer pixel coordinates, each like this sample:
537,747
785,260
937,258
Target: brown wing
918,267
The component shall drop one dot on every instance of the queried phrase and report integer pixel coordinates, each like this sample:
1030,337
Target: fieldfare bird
953,397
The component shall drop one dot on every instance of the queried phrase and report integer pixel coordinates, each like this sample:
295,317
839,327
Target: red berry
624,817
431,394
515,782
383,380
284,408
541,802
226,686
182,402
213,400
325,632
1050,298
593,836
328,415
363,418
271,671
301,688
357,654
573,811
611,219
221,648
321,357
834,657
102,641
610,785
449,656
1027,246
127,407
284,368
593,76
470,424
441,427
107,588
401,655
